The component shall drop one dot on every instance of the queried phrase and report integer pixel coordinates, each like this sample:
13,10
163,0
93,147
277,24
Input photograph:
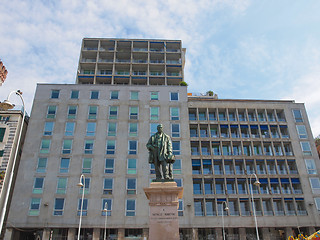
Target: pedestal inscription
163,201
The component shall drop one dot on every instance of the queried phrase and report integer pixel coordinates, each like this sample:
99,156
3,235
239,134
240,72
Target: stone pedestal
163,201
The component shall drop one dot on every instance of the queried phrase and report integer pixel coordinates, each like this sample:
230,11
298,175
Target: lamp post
105,221
80,184
256,183
226,208
6,104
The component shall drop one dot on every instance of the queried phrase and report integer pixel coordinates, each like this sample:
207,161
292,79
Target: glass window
91,128
86,185
94,95
69,128
111,147
134,95
64,165
180,208
84,204
177,166
154,113
112,129
106,204
45,146
67,146
131,186
48,129
132,166
133,129
55,93
58,206
114,95
74,94
113,112
174,113
297,115
86,165
109,167
93,111
175,130
51,113
317,201
198,207
302,132
154,96
88,147
42,165
3,130
62,185
133,113
315,185
72,112
174,96
38,185
133,147
176,147
306,149
130,207
311,166
35,204
107,186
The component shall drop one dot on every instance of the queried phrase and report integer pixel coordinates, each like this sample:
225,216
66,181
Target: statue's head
160,128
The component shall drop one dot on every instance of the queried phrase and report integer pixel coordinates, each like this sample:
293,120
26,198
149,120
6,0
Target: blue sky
266,49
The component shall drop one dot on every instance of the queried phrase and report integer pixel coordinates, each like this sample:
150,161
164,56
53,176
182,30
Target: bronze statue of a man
160,154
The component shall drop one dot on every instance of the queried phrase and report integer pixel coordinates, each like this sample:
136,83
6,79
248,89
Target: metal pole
223,232
253,205
4,209
84,184
105,221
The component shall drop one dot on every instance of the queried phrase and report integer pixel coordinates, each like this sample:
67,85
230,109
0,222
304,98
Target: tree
210,93
183,83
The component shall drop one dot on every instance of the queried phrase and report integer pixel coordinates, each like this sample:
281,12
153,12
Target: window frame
88,146
76,92
58,211
174,98
65,144
132,151
114,97
109,149
132,97
72,111
130,211
55,93
154,95
86,165
109,170
67,131
47,130
64,169
105,190
94,94
32,209
172,116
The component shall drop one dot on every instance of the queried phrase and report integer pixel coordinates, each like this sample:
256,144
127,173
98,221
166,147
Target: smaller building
10,125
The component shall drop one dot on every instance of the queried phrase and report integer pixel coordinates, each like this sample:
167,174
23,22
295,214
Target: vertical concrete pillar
96,234
195,234
8,234
71,233
265,234
288,232
219,234
121,234
242,234
145,233
46,234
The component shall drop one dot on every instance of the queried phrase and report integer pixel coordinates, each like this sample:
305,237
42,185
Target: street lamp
226,208
256,183
105,221
80,184
6,105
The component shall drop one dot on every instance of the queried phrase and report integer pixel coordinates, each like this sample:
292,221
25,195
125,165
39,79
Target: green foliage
210,93
183,83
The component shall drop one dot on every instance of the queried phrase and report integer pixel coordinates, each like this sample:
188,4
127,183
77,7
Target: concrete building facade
99,128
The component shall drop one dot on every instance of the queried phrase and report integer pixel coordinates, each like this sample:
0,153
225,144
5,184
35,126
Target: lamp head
80,184
6,105
257,183
226,208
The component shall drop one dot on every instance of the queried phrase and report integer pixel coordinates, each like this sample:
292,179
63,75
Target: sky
240,49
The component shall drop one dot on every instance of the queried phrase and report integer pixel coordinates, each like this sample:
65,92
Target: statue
160,154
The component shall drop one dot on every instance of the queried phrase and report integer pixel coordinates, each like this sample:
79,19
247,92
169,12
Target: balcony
139,61
302,212
156,61
123,60
157,73
90,48
173,50
139,73
268,213
156,50
123,73
279,213
174,74
106,60
88,60
174,61
290,213
140,49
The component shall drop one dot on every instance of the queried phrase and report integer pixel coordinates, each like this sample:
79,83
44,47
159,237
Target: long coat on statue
159,146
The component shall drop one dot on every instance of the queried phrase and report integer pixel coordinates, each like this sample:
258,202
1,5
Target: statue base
164,202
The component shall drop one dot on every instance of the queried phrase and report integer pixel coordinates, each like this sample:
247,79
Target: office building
99,127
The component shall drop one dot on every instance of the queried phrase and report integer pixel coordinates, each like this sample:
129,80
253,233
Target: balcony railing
302,212
156,61
279,213
156,73
140,49
123,60
105,60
